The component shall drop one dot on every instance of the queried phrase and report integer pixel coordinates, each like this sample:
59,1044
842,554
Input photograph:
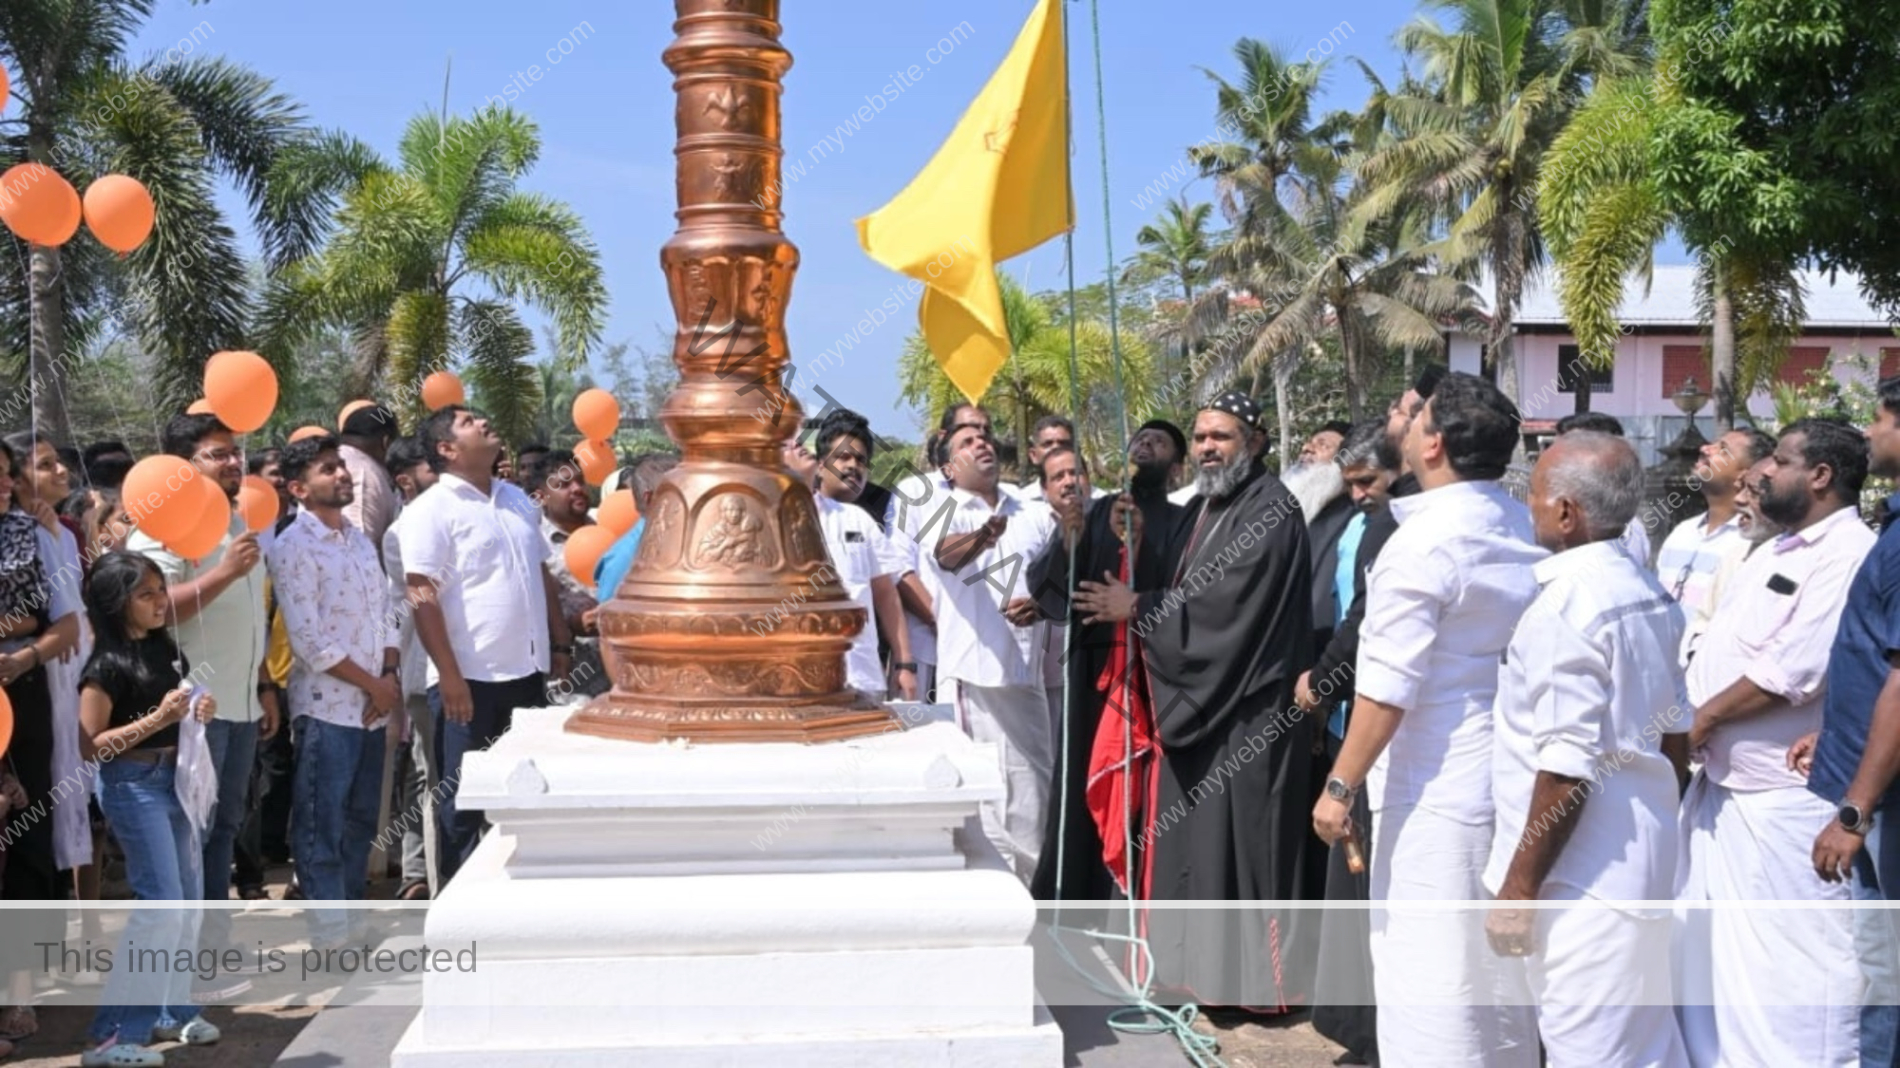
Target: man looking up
364,440
1051,432
418,776
989,656
344,680
1088,528
917,503
1689,556
1586,799
487,609
217,607
866,562
1223,638
1757,684
1441,604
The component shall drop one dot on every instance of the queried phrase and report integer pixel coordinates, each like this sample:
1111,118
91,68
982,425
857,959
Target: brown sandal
414,890
18,1022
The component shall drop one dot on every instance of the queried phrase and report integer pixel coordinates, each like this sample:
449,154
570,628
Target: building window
1683,362
1570,368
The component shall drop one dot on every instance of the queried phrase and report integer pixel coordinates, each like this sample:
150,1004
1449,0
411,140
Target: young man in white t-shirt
864,559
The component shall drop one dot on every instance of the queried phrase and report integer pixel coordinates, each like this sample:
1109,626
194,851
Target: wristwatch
904,665
563,648
1337,789
1854,819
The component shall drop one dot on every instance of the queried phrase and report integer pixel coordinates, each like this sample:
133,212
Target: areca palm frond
431,256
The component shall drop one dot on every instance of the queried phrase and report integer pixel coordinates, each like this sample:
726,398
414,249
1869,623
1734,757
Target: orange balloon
200,406
617,512
442,389
303,432
584,549
351,409
6,703
3,107
39,205
242,389
257,500
208,529
119,212
596,459
162,495
597,414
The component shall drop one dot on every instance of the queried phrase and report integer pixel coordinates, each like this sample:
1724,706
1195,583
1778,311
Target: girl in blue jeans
131,699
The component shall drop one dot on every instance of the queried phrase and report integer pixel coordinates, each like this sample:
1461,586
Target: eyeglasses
218,456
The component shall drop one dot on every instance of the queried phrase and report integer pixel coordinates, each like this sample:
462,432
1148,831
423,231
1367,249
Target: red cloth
1122,758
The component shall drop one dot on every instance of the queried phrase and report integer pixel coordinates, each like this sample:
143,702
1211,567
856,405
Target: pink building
1663,345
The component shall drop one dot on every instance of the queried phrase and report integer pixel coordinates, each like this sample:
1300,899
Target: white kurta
72,822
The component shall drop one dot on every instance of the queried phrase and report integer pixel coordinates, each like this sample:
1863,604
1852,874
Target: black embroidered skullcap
1172,431
1238,405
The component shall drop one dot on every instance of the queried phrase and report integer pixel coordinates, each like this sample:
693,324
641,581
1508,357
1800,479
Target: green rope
1142,1015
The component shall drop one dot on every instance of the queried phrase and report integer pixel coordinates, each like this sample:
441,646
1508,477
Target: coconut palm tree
177,123
1501,80
1036,380
1605,212
1174,247
429,258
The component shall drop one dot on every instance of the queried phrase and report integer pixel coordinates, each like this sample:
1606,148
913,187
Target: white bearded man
1441,604
1585,796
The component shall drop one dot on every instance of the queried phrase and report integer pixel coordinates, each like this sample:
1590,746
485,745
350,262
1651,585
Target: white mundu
1440,607
1588,689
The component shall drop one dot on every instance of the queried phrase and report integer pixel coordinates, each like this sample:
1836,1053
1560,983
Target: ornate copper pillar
730,626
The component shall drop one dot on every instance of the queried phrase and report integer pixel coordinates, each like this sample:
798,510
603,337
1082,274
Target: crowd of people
1378,676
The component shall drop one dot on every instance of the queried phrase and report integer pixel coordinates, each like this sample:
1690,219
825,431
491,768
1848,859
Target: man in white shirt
343,680
552,479
1586,798
487,609
866,563
1062,478
1441,604
409,469
921,502
218,616
990,656
1768,985
365,438
1050,433
1689,556
1635,539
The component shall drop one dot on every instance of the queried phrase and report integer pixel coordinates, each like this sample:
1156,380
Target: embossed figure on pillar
725,628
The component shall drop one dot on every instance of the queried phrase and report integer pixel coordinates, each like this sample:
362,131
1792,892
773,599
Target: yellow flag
997,188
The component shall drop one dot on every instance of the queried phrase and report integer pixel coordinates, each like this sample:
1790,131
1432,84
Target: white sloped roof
1670,300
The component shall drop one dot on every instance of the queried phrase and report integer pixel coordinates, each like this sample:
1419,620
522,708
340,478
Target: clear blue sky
606,118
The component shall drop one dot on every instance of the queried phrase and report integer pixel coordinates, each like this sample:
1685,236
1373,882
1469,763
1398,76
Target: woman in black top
132,696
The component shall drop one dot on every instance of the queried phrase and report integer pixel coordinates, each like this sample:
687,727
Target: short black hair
1601,422
371,421
1368,443
540,471
1840,446
97,449
1042,469
404,455
1478,422
300,454
183,433
256,462
1048,421
1760,443
949,420
1428,378
532,448
109,471
933,448
1336,426
438,430
842,423
1888,394
644,472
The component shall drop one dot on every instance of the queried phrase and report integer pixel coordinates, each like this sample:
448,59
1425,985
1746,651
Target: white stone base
732,905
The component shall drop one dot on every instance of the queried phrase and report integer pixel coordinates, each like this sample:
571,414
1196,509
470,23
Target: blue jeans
336,794
233,754
458,832
161,863
1877,938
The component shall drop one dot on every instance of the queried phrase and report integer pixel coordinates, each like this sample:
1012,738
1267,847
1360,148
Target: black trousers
31,873
264,838
1343,1008
458,832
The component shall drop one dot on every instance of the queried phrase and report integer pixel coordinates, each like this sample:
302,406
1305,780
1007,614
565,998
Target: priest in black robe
1224,638
1155,453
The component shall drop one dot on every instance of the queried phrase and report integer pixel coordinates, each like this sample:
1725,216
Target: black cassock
1084,875
1231,812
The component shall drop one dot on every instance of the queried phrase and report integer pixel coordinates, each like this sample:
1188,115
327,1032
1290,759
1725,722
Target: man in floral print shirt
343,679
